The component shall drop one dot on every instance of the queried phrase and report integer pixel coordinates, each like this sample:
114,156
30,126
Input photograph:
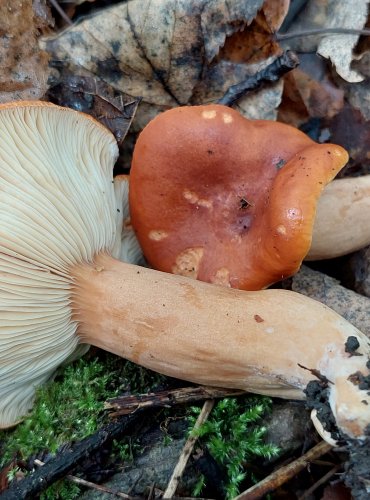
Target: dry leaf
98,99
352,131
160,50
338,48
24,67
323,14
359,97
256,43
292,109
309,92
154,49
275,12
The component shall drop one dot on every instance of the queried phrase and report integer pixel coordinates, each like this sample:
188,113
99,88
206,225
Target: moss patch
234,436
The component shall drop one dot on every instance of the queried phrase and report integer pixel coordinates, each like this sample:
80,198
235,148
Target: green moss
70,408
233,437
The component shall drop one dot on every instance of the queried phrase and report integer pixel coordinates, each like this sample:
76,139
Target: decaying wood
186,452
129,404
284,474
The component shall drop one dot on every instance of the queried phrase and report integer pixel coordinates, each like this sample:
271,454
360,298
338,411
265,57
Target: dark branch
272,73
321,31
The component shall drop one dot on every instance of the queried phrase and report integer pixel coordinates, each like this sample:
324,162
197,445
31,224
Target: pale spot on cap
222,277
227,118
188,261
208,115
281,229
157,235
194,199
269,329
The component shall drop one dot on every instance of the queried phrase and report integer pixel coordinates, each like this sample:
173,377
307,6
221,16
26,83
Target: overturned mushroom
342,223
60,286
127,247
224,199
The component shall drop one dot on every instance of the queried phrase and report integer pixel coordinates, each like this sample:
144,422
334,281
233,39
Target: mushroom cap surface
224,199
57,208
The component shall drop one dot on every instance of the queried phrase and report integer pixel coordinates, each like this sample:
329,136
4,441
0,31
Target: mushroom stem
342,219
218,336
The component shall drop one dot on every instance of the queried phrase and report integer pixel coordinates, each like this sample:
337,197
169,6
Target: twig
186,452
271,73
284,474
128,404
89,484
321,31
61,12
159,494
59,466
321,481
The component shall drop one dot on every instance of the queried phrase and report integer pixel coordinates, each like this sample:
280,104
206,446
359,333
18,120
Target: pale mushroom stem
218,336
342,219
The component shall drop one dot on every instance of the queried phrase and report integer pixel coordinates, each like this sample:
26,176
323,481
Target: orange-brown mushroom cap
224,199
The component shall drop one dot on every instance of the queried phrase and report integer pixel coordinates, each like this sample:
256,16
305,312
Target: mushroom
227,200
127,247
342,221
61,287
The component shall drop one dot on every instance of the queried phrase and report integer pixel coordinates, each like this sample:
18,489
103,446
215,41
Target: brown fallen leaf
336,491
355,138
23,66
256,43
162,50
309,92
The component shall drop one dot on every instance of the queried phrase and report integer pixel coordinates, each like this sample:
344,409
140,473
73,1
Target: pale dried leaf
338,48
160,50
262,106
152,48
23,66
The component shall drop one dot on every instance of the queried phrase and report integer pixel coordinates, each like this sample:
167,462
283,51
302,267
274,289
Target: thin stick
89,484
321,31
318,483
186,452
61,12
284,474
272,73
129,404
